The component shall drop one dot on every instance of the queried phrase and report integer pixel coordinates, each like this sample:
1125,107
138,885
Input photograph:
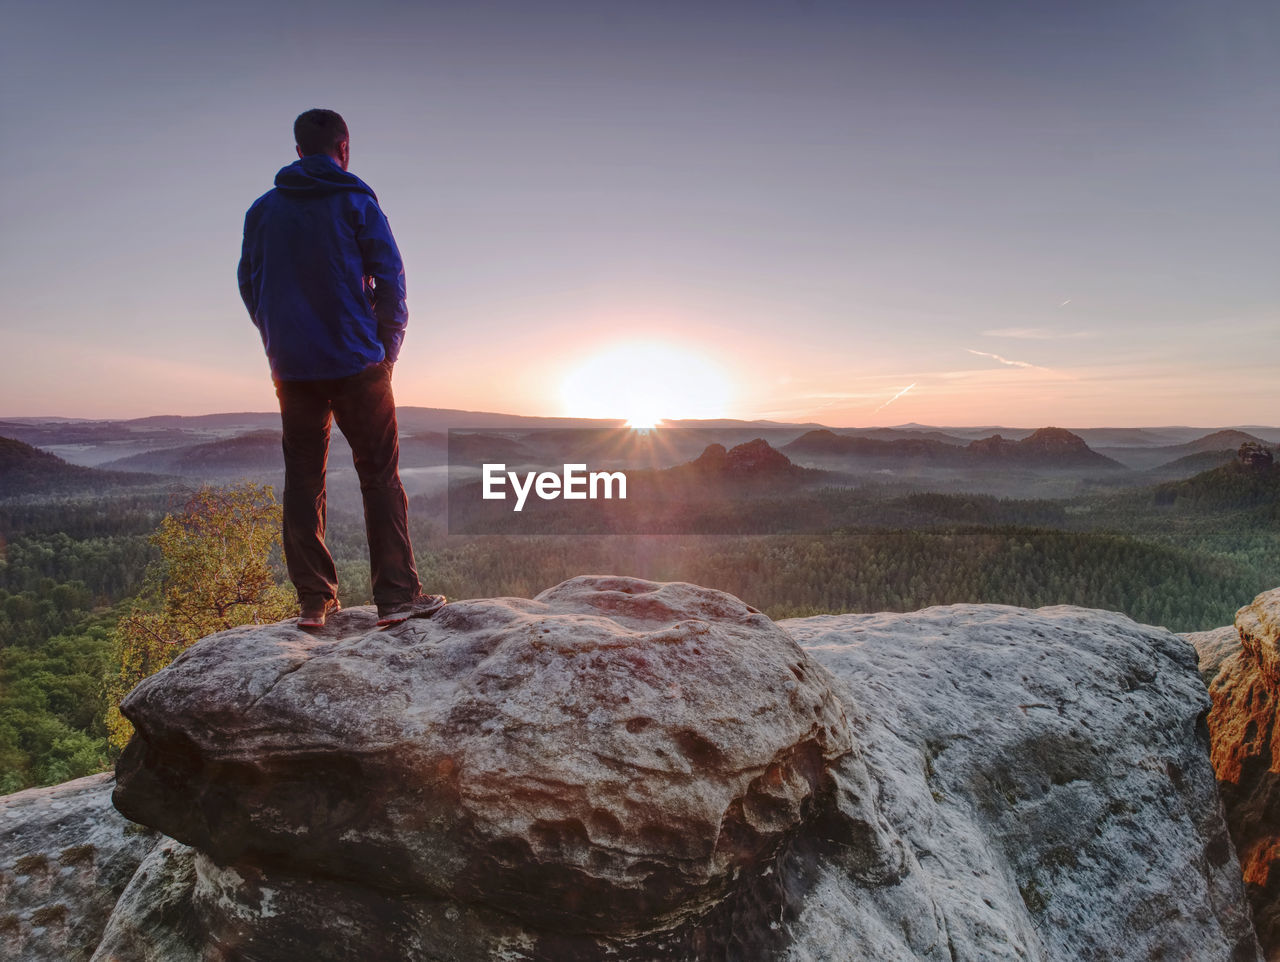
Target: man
323,281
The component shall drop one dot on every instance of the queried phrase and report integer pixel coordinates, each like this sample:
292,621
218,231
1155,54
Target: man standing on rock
323,281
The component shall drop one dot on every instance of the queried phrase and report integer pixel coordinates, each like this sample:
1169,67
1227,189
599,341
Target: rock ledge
606,759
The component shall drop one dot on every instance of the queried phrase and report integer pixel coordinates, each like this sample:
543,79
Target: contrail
894,398
1002,360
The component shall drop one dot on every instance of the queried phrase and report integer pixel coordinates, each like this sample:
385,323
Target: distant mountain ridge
899,434
18,457
254,451
219,447
1056,447
827,443
1217,447
1191,464
25,469
1229,439
1235,485
415,418
1045,447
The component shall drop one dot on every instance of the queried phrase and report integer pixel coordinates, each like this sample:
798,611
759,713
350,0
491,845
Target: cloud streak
1005,360
895,397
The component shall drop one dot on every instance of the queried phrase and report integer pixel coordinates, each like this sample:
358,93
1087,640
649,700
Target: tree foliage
214,572
1183,554
51,691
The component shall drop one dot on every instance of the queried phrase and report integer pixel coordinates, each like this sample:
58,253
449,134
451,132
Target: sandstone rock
65,857
608,758
153,920
1048,773
752,459
1245,732
1259,627
1213,647
629,771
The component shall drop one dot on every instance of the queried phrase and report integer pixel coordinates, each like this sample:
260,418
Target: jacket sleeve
382,263
244,274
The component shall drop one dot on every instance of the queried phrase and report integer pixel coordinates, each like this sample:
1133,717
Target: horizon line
683,422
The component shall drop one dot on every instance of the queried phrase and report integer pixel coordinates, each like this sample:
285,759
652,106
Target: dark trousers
366,414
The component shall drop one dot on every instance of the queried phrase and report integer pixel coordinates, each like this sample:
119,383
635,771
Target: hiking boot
419,606
314,611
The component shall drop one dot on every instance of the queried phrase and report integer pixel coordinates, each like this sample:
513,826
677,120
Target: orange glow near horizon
644,384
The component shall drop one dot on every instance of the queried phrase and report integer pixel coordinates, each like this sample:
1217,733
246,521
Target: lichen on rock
65,857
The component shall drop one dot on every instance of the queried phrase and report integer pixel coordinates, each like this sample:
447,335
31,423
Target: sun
645,383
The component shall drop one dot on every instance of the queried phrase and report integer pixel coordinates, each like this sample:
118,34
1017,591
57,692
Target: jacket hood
319,174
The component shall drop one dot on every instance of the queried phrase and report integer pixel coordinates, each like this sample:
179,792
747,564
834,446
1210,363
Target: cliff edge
625,770
1242,666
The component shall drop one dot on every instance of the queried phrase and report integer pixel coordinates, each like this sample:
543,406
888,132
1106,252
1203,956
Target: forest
74,567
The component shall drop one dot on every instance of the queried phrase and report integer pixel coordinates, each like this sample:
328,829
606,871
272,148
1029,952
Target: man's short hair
319,131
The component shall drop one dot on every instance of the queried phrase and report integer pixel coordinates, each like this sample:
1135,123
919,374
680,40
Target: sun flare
645,383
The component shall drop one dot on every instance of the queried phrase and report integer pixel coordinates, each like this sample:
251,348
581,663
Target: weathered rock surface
629,771
65,857
607,759
1213,648
1048,772
1245,731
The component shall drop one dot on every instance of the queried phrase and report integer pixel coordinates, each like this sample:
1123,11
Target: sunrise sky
858,213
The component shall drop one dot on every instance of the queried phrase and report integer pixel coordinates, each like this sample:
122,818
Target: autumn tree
214,572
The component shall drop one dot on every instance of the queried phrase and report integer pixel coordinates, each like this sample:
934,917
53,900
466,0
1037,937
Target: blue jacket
321,274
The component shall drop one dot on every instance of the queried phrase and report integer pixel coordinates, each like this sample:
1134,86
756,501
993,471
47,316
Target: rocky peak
1054,441
1049,447
1253,454
994,445
750,459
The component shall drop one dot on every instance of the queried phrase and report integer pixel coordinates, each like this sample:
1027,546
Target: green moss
49,915
1061,857
1035,900
76,854
28,864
